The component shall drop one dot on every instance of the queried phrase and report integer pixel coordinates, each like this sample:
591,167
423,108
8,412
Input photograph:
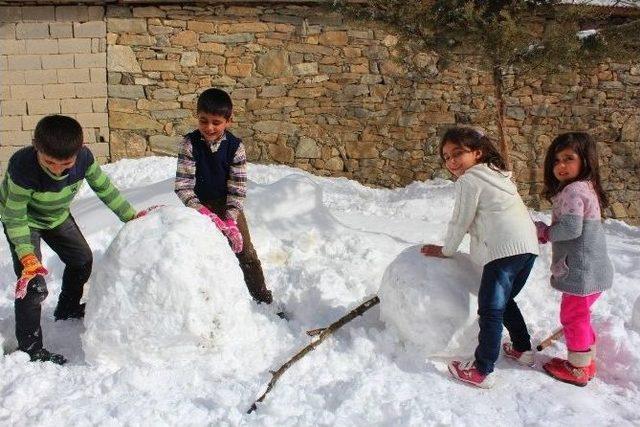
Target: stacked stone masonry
311,89
52,61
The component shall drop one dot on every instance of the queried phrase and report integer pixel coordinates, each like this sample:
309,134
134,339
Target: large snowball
168,284
430,302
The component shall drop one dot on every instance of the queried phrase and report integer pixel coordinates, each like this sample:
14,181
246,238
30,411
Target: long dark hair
474,140
585,148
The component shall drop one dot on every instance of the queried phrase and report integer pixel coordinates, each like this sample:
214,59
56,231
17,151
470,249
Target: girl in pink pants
580,268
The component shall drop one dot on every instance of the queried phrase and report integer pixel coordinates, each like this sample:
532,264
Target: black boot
63,312
262,296
44,355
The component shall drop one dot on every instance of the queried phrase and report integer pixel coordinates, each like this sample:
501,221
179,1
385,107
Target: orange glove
31,268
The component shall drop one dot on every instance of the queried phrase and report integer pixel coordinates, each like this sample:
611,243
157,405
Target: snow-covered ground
152,354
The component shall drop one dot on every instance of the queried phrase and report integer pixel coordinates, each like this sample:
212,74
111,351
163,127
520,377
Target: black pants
67,241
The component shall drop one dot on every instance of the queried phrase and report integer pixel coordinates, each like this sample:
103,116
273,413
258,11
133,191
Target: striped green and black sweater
32,197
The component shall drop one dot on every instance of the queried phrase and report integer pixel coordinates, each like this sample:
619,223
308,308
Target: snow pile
324,244
635,318
430,302
168,285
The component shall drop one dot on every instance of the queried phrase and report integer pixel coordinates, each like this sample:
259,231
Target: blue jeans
502,280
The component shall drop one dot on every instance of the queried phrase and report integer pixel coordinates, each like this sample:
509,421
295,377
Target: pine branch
322,335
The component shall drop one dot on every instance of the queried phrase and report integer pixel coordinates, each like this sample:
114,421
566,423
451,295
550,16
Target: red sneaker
591,369
466,371
523,357
564,371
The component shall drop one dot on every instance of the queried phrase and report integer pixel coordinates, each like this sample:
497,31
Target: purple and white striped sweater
580,262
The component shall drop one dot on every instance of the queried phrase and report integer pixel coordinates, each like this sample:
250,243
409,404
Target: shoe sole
455,375
566,381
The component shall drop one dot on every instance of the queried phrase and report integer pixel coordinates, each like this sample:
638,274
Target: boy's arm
237,183
108,193
185,182
14,217
464,211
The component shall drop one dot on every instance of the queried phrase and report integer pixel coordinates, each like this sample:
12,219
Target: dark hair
215,101
58,136
585,148
474,140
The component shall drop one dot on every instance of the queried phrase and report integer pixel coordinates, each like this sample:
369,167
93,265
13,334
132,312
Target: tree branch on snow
322,334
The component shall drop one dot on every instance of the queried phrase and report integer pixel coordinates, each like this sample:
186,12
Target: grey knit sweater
580,262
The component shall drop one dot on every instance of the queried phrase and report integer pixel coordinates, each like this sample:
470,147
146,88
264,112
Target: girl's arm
464,211
572,205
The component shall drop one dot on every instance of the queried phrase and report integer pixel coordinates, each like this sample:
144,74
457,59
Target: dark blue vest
212,169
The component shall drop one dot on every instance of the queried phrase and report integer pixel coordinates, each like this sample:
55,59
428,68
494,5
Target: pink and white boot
468,372
522,357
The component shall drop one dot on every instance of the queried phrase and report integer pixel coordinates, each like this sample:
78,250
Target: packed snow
418,293
172,338
143,309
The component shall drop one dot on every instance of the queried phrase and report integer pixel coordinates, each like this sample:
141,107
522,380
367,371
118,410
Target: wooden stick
314,332
547,342
324,333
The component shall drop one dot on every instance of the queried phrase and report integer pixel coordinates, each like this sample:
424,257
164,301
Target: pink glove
215,218
542,230
146,211
234,236
228,227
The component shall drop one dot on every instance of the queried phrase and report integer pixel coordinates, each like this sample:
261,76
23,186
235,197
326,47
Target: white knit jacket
489,208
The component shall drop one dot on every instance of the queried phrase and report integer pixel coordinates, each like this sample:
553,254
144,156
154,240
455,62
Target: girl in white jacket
503,241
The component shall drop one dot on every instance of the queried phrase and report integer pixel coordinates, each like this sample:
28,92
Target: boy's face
56,166
212,126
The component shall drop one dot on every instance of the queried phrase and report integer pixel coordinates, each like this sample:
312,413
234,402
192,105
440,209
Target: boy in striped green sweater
35,196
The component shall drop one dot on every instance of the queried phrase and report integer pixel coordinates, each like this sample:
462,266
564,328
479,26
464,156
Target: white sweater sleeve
464,211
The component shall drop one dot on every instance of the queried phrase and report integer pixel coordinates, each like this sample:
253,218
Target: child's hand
146,211
214,218
31,267
234,236
432,250
542,230
228,227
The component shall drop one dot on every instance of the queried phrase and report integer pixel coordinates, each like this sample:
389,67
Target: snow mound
430,302
635,317
289,206
167,285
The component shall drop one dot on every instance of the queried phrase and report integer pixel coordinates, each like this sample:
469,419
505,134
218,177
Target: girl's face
567,165
458,159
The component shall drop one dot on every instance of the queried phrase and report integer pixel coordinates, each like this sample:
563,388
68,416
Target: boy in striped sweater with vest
211,177
35,197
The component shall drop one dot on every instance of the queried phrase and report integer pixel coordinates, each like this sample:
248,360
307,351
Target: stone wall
52,60
335,97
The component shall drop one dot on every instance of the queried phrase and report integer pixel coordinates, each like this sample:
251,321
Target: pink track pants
575,317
